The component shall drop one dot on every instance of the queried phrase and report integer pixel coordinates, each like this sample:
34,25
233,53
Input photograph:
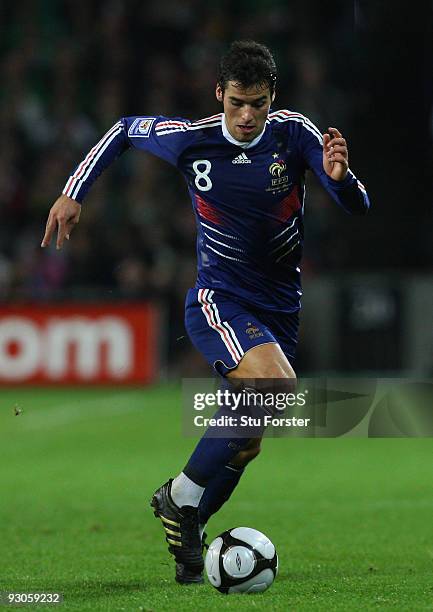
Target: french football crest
277,168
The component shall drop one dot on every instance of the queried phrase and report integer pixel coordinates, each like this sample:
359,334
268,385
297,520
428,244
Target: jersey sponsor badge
141,127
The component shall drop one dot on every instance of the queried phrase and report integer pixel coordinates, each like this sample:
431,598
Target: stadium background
75,462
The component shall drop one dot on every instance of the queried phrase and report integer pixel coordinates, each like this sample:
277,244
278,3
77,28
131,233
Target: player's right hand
64,214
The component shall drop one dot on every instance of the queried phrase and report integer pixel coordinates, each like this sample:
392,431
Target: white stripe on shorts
226,332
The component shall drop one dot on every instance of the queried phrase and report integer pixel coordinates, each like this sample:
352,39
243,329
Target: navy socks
209,465
210,456
218,491
219,444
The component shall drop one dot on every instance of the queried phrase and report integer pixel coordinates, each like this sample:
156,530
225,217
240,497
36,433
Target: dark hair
248,63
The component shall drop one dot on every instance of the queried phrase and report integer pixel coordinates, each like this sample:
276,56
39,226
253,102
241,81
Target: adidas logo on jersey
241,159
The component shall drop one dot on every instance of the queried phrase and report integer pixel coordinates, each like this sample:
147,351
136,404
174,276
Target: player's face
245,110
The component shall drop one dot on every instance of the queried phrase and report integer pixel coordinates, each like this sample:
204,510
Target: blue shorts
223,330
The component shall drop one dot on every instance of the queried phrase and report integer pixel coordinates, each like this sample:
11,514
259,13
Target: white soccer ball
241,560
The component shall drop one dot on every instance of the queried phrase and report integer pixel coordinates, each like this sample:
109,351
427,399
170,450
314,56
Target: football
241,560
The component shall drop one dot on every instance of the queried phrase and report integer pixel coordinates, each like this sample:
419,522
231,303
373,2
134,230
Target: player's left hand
335,155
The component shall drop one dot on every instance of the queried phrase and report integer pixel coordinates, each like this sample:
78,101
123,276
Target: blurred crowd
70,69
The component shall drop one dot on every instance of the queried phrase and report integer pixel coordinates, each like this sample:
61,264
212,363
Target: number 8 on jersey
202,175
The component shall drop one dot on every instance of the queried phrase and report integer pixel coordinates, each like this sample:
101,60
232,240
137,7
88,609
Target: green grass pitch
351,518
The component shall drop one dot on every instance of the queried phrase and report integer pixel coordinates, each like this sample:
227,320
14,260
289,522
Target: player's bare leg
263,361
266,361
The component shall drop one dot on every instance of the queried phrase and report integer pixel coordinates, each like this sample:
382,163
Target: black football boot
181,527
184,575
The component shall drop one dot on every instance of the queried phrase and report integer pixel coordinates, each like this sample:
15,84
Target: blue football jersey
248,198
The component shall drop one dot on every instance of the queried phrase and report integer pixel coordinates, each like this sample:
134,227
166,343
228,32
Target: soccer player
245,171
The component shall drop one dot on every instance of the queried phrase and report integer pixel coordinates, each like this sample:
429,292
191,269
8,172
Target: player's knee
266,361
271,385
271,369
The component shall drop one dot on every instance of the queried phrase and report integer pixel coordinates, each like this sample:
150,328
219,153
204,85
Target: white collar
243,145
